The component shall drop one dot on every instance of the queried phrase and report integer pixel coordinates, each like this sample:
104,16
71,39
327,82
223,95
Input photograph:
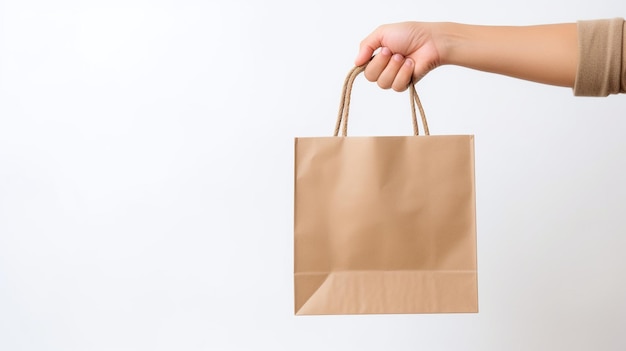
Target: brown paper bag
384,224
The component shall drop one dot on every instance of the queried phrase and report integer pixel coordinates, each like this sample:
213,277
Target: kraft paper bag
384,224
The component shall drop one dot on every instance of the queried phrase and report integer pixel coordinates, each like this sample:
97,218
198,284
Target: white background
146,178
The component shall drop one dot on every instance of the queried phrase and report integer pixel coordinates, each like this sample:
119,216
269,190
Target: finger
367,47
386,78
377,65
403,78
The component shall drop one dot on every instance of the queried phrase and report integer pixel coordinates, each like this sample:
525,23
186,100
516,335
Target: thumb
367,48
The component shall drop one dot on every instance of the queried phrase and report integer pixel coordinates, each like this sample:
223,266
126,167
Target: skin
409,50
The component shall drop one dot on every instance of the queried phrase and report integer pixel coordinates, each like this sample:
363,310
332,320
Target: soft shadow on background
146,178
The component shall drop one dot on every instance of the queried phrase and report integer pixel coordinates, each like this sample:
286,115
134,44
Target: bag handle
344,104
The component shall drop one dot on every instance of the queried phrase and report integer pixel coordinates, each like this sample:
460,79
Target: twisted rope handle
344,104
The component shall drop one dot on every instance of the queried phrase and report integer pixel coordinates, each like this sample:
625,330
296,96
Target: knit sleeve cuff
600,54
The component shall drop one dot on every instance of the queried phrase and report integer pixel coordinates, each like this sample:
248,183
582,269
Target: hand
408,51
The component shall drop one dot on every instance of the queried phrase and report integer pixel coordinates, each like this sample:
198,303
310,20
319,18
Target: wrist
452,39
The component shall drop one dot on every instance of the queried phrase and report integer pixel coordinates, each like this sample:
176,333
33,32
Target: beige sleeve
601,58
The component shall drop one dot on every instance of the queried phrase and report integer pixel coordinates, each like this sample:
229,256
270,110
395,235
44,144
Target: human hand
408,51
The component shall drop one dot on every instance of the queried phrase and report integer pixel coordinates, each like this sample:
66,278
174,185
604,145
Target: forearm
545,53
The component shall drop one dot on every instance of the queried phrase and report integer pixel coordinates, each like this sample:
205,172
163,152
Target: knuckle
398,89
383,85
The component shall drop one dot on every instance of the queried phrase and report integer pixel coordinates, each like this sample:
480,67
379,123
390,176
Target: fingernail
408,62
385,51
397,57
